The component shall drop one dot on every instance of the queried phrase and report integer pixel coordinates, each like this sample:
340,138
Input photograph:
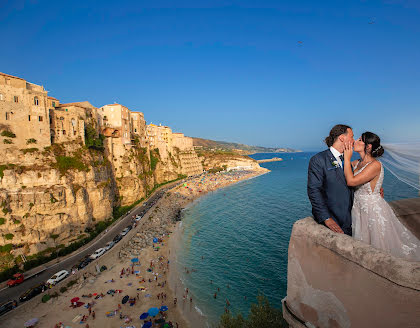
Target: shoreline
162,221
189,311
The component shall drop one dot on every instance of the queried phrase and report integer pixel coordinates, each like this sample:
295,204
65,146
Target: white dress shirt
336,154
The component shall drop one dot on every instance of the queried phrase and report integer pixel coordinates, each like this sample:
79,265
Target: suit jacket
328,191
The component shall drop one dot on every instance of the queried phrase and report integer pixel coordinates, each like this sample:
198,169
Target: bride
373,220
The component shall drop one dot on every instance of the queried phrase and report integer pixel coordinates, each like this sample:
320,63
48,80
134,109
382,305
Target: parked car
124,232
129,227
83,263
117,238
99,252
7,306
60,275
32,292
17,279
109,245
137,218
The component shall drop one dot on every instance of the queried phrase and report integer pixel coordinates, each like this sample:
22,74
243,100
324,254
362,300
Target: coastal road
67,263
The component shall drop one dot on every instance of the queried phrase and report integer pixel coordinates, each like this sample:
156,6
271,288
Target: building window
74,132
36,101
29,117
7,116
53,104
135,130
40,118
16,99
1,97
64,132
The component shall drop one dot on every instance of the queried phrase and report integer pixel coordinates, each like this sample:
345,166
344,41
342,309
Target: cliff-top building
24,121
114,119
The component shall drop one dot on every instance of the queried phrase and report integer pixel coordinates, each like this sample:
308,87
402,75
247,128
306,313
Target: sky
268,73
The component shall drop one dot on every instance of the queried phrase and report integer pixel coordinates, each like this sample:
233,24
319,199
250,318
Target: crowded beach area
135,284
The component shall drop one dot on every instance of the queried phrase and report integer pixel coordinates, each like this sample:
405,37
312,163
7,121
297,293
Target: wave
199,311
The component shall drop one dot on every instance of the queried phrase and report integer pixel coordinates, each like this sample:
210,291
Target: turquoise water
237,238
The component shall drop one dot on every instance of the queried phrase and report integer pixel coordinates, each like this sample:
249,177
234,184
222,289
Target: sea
235,240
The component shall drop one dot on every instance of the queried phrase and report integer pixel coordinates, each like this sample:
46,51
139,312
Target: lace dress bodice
374,222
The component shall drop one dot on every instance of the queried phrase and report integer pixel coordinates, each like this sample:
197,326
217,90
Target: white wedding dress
374,222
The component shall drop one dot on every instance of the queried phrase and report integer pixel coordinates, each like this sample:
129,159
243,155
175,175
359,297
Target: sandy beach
150,282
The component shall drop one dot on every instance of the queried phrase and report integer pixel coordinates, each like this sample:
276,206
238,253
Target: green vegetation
45,298
8,134
154,158
29,150
215,169
54,236
15,221
6,248
7,141
8,236
65,163
91,140
261,315
71,283
31,141
63,289
2,221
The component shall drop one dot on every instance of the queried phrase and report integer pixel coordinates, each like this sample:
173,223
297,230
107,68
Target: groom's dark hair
335,132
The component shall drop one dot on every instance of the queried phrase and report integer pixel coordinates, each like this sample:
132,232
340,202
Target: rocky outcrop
228,161
50,197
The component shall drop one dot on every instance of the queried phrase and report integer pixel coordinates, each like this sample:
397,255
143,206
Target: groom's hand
330,223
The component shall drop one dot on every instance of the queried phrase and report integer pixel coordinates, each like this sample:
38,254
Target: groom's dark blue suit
328,191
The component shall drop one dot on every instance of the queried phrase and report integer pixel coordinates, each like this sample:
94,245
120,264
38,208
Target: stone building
114,120
181,142
24,119
160,137
68,121
138,128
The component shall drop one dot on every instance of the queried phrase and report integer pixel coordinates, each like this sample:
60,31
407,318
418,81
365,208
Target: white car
60,275
124,232
138,218
98,252
109,245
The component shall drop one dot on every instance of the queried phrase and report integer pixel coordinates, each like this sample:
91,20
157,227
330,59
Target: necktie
342,161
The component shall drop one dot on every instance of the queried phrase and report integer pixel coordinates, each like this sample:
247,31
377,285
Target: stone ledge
399,271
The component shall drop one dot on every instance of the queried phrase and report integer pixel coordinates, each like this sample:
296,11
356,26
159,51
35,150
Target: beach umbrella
153,311
164,308
74,299
135,260
125,299
155,240
144,315
32,322
147,325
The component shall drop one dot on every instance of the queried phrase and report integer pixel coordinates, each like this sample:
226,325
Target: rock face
49,197
229,161
44,204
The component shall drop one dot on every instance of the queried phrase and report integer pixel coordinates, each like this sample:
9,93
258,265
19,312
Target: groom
328,192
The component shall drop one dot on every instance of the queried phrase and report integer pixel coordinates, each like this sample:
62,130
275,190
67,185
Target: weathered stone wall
336,281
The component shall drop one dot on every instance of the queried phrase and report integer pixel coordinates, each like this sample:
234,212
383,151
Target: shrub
46,298
154,159
65,163
7,141
29,150
2,221
8,134
63,289
31,141
9,236
16,221
91,141
71,283
6,248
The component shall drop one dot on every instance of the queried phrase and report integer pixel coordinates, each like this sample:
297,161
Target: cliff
228,161
49,197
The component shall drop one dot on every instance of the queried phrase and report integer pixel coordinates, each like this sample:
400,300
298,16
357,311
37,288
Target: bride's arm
368,174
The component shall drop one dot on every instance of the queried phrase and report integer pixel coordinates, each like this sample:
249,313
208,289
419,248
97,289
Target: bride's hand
348,150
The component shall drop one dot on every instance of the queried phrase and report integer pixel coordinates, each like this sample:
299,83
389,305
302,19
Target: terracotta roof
15,77
49,97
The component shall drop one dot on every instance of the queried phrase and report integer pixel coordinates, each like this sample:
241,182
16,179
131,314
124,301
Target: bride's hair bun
378,152
370,138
